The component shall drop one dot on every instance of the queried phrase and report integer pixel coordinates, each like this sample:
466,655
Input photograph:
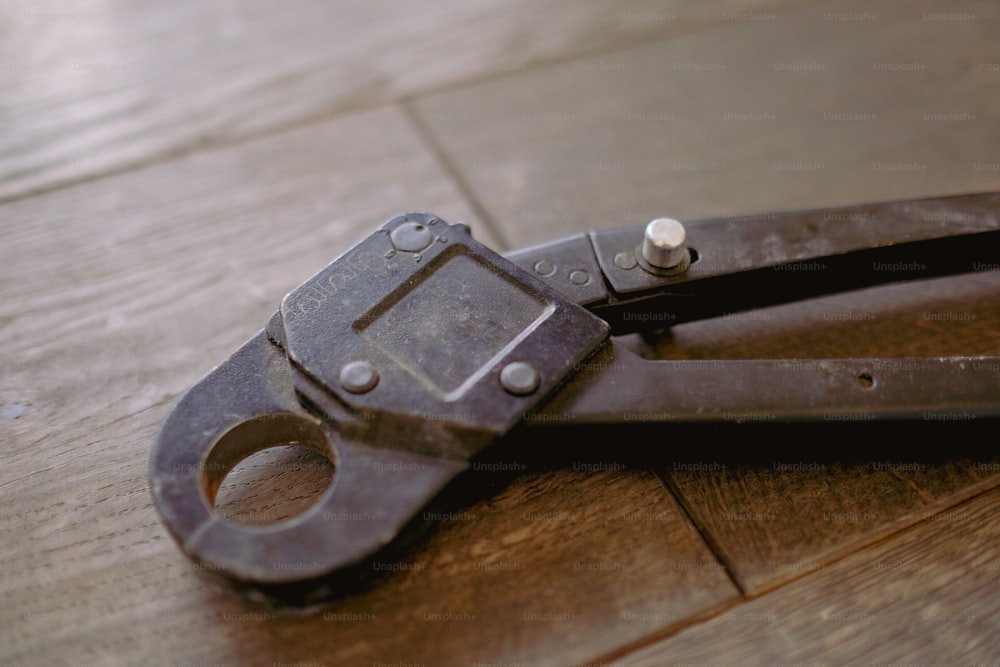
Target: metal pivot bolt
663,244
411,237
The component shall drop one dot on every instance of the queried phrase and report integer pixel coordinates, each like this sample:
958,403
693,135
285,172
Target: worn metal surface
411,352
419,347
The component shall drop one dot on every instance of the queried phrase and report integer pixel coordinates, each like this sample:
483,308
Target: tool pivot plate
417,323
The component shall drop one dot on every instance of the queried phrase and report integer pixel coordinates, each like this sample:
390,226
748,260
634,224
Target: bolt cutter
419,349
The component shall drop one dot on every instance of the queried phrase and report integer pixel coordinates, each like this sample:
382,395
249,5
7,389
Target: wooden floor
168,171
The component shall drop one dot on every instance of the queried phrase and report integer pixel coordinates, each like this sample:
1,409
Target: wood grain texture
546,578
773,519
104,86
118,294
926,597
833,103
95,280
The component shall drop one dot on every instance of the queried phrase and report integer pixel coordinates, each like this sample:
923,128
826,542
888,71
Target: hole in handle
866,380
268,469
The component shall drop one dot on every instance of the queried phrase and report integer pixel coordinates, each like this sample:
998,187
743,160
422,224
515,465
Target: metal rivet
663,243
519,378
544,267
625,260
358,377
411,237
579,277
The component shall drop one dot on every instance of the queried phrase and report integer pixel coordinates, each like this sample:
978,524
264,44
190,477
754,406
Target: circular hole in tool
866,381
268,470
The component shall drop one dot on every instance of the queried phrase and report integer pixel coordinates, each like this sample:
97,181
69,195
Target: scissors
419,350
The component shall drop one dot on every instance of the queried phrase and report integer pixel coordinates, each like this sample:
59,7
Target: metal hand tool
420,348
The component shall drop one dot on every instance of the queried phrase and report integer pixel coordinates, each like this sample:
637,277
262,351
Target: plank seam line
706,538
610,659
926,497
447,164
666,634
197,145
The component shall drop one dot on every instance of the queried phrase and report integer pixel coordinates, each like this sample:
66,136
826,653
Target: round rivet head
519,378
663,243
358,377
411,237
544,267
579,277
625,260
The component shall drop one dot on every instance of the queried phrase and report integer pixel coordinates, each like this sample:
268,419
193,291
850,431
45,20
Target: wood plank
792,509
116,295
95,280
102,86
832,103
556,568
925,597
